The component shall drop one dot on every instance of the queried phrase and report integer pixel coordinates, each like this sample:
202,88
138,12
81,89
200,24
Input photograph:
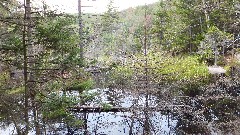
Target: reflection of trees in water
215,110
206,110
11,112
220,116
201,116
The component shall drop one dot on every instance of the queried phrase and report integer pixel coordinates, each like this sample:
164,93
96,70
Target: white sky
70,6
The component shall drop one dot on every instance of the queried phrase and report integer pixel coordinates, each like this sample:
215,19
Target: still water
132,122
114,123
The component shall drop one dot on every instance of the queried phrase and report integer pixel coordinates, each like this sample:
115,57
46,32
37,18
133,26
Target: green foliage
80,85
110,18
169,68
4,78
16,90
138,37
186,69
224,16
7,5
59,39
87,96
106,106
175,26
121,75
55,85
180,25
70,84
187,72
55,40
56,108
56,33
162,22
13,44
215,41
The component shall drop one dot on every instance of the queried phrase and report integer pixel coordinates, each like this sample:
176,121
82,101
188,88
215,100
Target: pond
115,123
133,121
119,123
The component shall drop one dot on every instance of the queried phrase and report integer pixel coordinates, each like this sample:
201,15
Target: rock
216,70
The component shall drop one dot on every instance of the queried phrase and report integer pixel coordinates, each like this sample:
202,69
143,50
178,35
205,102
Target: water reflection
128,122
199,117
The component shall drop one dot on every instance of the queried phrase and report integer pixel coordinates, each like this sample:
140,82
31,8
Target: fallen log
91,109
98,109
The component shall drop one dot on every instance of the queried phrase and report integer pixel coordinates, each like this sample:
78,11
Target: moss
4,77
228,70
17,90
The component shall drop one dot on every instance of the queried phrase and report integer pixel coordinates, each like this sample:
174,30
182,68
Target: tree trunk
206,13
29,76
80,28
25,44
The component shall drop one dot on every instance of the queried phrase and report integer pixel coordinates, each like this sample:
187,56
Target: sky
98,6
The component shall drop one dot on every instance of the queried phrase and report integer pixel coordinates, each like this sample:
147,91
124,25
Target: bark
25,44
29,63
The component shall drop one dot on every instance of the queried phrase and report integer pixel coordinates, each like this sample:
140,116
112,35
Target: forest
171,67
